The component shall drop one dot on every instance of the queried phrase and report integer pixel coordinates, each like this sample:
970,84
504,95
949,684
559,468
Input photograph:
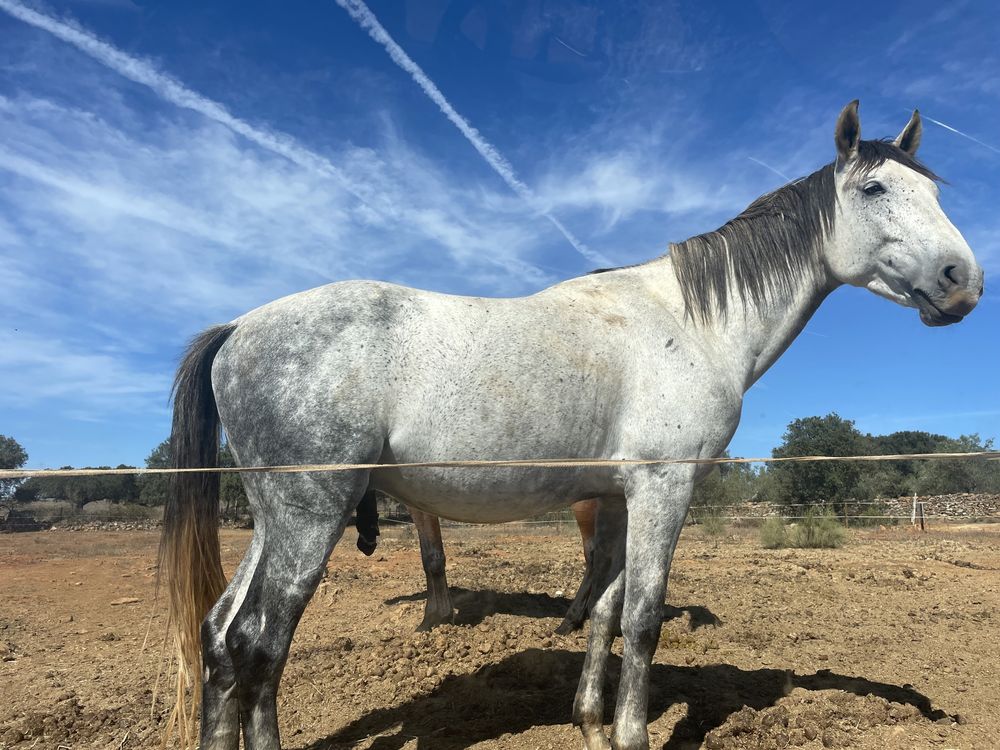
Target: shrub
713,526
817,529
772,533
105,510
875,514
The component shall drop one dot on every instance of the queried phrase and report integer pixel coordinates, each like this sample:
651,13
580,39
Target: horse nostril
949,273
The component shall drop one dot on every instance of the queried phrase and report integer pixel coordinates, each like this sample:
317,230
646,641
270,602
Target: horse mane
775,242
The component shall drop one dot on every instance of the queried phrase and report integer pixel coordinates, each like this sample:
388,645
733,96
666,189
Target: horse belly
494,495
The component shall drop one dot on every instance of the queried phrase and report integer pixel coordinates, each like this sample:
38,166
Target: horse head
892,236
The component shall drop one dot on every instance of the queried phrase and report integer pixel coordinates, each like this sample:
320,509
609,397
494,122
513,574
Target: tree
818,482
153,488
232,493
725,485
959,475
12,456
898,478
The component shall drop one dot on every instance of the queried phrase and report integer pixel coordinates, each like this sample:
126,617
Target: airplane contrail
783,176
367,20
964,135
173,91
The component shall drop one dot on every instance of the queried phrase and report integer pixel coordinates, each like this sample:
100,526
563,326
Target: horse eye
873,188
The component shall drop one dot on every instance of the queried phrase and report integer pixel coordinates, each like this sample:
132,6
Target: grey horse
642,362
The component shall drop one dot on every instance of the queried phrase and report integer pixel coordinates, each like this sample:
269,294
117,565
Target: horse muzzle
944,311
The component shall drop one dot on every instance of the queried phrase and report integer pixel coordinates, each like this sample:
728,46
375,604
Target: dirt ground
889,642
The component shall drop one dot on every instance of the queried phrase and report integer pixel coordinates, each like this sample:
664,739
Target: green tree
898,478
724,486
818,482
153,487
959,475
232,493
12,456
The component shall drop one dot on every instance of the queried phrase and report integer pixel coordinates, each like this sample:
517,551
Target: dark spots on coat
670,342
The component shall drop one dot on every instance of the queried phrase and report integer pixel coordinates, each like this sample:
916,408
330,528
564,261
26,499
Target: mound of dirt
833,717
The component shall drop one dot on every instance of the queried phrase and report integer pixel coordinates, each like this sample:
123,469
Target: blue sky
166,166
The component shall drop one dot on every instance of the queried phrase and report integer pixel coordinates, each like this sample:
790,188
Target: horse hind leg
439,609
585,512
576,615
304,518
220,716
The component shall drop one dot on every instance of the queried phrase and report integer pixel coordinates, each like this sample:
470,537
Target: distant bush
816,530
713,526
773,533
103,510
49,511
876,514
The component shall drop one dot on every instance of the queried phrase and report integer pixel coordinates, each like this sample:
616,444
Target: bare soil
889,642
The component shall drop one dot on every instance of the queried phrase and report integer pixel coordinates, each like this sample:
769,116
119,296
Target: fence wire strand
553,463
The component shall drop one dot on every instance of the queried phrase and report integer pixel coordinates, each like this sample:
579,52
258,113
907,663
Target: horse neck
749,339
754,340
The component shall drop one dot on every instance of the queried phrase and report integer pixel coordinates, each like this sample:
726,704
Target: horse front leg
438,609
607,592
657,505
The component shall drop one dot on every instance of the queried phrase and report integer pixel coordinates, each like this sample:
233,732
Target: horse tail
189,544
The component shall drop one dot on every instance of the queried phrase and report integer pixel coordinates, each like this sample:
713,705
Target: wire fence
539,463
889,510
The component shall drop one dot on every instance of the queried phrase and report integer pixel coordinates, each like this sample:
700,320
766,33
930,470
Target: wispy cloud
79,378
378,205
367,20
173,91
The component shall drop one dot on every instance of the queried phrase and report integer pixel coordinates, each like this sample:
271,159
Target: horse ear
848,133
909,139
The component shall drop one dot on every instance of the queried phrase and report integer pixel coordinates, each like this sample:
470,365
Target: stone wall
959,505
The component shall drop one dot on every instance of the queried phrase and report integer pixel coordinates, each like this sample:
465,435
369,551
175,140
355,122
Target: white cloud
44,369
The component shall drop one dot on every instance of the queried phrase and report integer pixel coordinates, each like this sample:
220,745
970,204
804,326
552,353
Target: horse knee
642,631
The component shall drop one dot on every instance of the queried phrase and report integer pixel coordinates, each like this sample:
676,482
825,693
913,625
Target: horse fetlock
630,735
595,739
589,719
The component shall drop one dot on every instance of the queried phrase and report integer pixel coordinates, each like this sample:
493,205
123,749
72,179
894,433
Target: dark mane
776,241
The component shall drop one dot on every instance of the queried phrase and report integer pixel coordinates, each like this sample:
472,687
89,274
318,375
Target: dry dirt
889,642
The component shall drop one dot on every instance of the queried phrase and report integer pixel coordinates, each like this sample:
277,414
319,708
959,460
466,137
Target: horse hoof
366,547
568,626
432,621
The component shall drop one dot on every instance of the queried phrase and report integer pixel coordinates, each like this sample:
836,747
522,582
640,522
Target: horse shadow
472,607
536,688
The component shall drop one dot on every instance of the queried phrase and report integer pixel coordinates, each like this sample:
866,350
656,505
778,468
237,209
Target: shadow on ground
472,607
536,688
